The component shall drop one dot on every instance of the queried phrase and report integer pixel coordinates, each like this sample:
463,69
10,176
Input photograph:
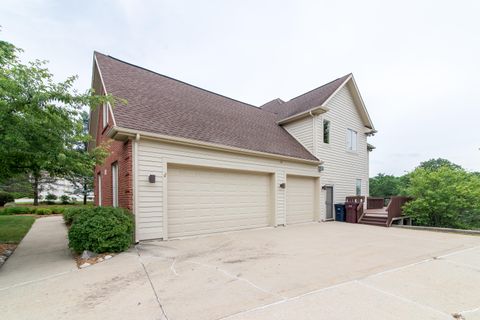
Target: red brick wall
120,152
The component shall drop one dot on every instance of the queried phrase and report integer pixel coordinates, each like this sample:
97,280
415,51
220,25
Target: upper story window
351,140
326,131
105,114
358,187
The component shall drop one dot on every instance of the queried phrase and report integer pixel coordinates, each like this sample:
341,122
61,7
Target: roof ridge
323,85
186,83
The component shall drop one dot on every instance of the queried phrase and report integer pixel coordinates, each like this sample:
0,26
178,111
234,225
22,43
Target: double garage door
203,200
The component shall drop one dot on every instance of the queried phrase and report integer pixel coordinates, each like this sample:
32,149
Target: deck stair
378,214
376,217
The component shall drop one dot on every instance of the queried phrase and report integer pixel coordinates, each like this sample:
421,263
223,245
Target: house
187,161
60,187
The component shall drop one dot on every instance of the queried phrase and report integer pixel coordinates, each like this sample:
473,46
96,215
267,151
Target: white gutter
315,110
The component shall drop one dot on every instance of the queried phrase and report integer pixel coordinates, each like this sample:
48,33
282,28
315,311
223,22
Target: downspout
317,209
135,184
314,134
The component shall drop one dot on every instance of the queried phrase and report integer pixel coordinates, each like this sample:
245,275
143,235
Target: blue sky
416,62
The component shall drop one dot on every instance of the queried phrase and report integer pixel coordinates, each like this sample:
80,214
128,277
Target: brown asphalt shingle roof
166,106
304,102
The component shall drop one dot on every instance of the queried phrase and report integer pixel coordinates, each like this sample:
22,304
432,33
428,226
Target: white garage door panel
204,201
300,199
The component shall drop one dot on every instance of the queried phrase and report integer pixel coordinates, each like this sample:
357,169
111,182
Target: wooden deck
380,212
380,215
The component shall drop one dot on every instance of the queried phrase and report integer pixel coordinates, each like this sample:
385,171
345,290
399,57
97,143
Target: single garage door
202,200
300,199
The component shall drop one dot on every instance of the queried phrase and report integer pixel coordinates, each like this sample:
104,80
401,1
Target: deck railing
394,208
375,203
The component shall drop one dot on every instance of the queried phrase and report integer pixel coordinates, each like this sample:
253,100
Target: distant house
188,161
60,187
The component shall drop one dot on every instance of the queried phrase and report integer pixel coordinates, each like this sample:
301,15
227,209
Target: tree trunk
85,191
35,190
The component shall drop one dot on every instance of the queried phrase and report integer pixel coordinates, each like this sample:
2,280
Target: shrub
17,210
50,198
57,210
43,211
4,213
64,199
70,214
9,205
101,229
6,197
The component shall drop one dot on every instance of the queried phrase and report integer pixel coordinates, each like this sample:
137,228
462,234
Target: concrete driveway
312,271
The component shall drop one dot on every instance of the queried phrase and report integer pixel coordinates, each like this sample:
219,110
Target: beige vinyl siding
154,157
342,167
302,130
300,199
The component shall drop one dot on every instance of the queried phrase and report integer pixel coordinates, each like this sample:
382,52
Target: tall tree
435,164
40,121
384,185
446,197
18,185
82,180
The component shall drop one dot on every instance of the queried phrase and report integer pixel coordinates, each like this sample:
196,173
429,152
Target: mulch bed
99,258
4,249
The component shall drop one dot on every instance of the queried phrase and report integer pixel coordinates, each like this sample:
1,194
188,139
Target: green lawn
14,228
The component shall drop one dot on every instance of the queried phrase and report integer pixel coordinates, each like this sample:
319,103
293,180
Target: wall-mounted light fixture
151,178
282,185
321,168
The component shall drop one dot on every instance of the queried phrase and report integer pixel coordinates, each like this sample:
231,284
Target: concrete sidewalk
42,253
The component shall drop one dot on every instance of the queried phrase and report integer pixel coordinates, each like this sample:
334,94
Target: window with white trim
351,140
115,184
105,114
326,131
99,188
358,187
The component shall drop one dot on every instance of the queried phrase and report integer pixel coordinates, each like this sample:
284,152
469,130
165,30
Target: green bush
101,229
43,211
57,210
17,210
4,213
70,214
9,205
64,199
6,197
50,198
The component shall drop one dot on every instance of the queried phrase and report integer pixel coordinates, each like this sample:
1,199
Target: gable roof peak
308,100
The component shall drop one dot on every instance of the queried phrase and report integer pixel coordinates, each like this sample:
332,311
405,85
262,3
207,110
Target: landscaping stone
88,254
7,253
108,257
100,260
2,259
86,264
